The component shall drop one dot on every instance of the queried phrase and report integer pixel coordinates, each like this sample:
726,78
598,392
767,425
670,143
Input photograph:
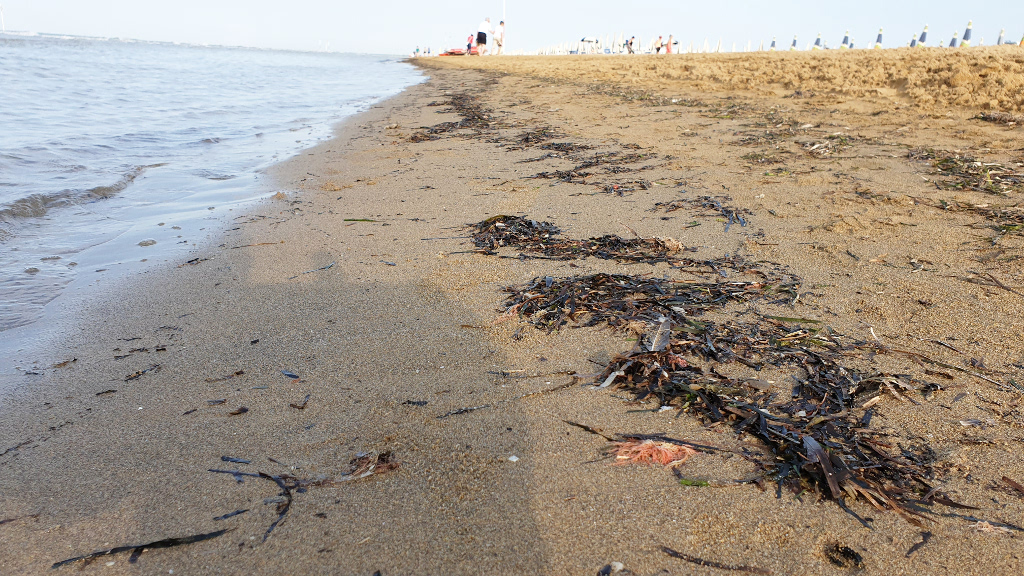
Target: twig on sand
720,566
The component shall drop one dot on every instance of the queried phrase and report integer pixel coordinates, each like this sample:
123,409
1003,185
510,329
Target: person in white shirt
499,39
481,36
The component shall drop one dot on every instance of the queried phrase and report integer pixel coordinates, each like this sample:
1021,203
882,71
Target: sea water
118,152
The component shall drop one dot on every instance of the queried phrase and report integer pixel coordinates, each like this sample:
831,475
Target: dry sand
401,330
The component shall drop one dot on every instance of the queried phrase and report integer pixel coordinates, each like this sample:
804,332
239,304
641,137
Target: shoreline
396,339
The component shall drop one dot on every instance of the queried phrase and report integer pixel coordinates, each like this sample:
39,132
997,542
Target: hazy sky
398,26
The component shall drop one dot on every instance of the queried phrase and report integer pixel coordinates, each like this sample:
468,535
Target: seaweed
817,431
1000,118
1004,219
138,549
831,145
542,239
964,172
708,203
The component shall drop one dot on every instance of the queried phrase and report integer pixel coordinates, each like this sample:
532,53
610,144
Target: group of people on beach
482,32
659,44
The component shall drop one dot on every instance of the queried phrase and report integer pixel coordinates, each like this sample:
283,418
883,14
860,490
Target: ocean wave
38,205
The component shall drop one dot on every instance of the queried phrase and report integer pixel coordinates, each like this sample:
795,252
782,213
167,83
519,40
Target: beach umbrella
772,49
966,42
817,43
953,42
793,47
878,41
923,40
1002,33
846,41
851,43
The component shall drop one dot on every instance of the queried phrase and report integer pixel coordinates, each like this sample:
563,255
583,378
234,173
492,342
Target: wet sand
359,279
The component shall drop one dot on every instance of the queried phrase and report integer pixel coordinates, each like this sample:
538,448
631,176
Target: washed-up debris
463,411
1015,485
414,403
234,374
1000,118
712,564
709,203
761,158
237,411
1005,219
965,172
541,239
139,374
235,460
830,146
474,117
370,463
327,267
609,162
621,301
989,528
647,451
925,537
291,375
817,431
193,262
232,514
138,549
538,136
216,402
565,147
16,518
843,556
814,432
301,405
631,186
772,137
105,392
363,465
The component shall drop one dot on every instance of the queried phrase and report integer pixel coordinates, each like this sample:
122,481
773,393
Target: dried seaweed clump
1005,219
831,145
712,204
817,428
817,431
474,116
964,172
621,301
541,238
1000,118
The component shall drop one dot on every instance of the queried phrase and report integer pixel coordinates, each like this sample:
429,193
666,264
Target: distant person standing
629,45
481,36
668,47
469,44
499,39
657,46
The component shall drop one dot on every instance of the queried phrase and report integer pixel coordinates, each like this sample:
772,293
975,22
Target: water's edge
33,350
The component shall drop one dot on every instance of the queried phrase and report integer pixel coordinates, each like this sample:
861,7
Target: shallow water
115,152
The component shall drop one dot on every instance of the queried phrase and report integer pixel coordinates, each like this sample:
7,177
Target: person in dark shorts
481,36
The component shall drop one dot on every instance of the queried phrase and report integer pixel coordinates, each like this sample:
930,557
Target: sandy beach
335,387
